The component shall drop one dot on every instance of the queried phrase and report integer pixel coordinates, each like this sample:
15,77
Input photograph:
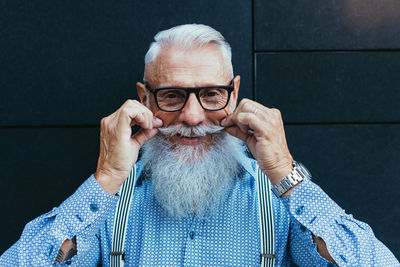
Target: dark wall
331,70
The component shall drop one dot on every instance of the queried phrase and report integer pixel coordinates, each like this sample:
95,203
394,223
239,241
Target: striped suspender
117,254
267,257
266,216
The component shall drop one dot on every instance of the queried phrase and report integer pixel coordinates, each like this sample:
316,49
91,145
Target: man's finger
227,121
251,121
237,132
245,107
131,115
157,122
242,120
144,135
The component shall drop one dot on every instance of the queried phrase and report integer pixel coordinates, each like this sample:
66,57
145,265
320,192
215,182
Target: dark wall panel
357,165
39,169
66,64
330,87
342,24
73,62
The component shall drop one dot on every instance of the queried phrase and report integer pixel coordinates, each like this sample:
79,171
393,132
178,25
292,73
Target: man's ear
235,92
141,90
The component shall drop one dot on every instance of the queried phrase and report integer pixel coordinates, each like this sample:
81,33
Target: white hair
189,36
192,179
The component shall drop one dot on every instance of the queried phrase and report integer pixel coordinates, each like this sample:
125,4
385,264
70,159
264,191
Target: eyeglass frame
195,90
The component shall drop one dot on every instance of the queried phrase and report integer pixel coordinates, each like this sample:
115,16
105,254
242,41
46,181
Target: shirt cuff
84,211
313,208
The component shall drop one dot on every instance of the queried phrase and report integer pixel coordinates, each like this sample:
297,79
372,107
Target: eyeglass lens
210,98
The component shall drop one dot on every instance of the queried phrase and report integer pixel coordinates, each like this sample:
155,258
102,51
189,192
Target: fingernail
223,121
159,121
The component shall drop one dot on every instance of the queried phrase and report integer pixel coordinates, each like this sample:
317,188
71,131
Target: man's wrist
275,176
108,181
287,184
278,175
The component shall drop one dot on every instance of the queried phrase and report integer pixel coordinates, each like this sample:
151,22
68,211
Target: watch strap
296,176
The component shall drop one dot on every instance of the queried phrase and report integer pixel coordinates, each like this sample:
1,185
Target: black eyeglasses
212,98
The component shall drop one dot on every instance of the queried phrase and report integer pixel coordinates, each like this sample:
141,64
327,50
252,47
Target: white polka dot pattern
230,238
349,241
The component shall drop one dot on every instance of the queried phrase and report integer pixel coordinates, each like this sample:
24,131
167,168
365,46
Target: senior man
195,198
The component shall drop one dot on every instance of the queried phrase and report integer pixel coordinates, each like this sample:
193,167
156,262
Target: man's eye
211,94
171,96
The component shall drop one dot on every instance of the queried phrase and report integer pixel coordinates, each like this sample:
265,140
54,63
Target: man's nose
192,113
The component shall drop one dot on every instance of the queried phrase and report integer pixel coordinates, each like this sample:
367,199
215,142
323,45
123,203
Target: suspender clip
118,253
267,256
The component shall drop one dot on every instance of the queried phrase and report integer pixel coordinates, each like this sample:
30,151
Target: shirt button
68,262
93,207
191,235
299,210
303,228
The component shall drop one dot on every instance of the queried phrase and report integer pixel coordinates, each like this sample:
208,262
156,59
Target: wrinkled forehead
199,66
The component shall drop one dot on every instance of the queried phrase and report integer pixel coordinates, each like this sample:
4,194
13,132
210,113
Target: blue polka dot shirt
230,238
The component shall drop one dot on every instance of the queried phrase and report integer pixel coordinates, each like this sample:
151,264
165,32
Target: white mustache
192,131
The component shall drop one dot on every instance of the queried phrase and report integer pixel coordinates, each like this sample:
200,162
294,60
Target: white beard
192,179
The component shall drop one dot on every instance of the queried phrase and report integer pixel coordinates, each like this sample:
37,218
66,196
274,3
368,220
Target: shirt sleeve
81,215
350,242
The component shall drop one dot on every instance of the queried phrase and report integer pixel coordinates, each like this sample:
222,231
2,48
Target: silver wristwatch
298,174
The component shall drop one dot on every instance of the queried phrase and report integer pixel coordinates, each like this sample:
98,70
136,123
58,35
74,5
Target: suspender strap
117,254
266,216
265,211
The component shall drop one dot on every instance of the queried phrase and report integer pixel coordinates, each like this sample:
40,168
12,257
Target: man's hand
262,130
118,148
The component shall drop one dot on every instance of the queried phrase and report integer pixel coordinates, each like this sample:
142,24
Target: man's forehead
199,76
175,66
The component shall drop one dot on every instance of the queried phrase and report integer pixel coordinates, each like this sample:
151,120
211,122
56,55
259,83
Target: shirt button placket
191,254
